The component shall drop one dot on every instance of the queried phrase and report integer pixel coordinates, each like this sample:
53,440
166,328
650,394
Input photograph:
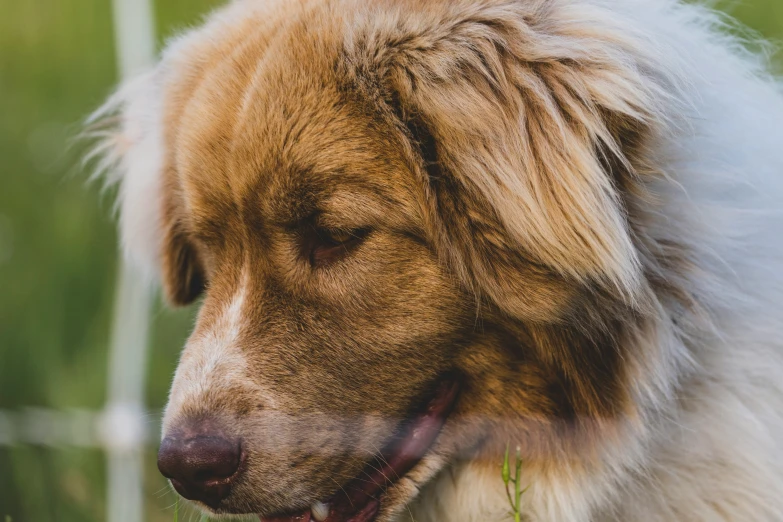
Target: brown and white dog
427,230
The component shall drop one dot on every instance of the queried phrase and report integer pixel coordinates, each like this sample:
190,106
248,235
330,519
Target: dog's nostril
200,468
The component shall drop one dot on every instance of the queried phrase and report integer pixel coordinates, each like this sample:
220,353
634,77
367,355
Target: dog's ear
130,153
525,121
182,272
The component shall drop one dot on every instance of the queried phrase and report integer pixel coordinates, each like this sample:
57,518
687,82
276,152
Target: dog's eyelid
325,246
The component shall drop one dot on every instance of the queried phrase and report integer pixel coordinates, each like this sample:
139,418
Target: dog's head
406,221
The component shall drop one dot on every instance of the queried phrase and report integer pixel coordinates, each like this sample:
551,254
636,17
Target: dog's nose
202,467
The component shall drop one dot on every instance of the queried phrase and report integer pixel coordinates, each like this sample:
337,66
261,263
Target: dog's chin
368,497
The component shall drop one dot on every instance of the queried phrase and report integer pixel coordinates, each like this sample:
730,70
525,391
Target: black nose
201,467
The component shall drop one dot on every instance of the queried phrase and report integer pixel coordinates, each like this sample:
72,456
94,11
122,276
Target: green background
57,246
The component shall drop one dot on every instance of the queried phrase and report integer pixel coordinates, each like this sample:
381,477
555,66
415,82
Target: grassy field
57,245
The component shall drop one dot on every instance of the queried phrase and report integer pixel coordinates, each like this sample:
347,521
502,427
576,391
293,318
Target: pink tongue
361,494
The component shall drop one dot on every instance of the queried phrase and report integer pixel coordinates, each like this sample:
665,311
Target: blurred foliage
57,245
57,250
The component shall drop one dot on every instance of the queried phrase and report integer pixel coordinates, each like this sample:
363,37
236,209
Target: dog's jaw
361,499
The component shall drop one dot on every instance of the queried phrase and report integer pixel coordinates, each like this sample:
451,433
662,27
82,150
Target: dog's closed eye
324,246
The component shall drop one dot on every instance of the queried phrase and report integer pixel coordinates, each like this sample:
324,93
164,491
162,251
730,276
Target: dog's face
405,224
326,320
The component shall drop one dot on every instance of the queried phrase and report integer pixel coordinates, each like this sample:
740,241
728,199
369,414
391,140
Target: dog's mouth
360,499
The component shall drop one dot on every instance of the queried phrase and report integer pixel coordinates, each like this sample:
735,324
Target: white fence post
123,421
123,424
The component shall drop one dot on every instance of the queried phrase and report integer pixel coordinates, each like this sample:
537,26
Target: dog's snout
201,467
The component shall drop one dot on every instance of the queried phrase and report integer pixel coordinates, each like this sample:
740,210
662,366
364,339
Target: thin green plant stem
516,501
517,490
507,476
176,510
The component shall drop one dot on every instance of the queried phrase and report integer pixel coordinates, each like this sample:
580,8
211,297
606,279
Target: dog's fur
574,205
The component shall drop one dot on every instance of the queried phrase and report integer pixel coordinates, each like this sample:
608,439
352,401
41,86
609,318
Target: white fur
134,159
213,362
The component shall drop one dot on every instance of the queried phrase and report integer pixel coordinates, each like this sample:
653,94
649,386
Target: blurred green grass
57,245
57,250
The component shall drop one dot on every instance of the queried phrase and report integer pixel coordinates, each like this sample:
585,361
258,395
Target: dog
435,238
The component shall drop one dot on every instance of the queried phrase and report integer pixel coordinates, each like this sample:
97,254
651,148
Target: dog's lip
365,514
358,501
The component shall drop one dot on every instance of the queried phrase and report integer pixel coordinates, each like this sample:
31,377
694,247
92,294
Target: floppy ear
130,153
182,272
525,120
